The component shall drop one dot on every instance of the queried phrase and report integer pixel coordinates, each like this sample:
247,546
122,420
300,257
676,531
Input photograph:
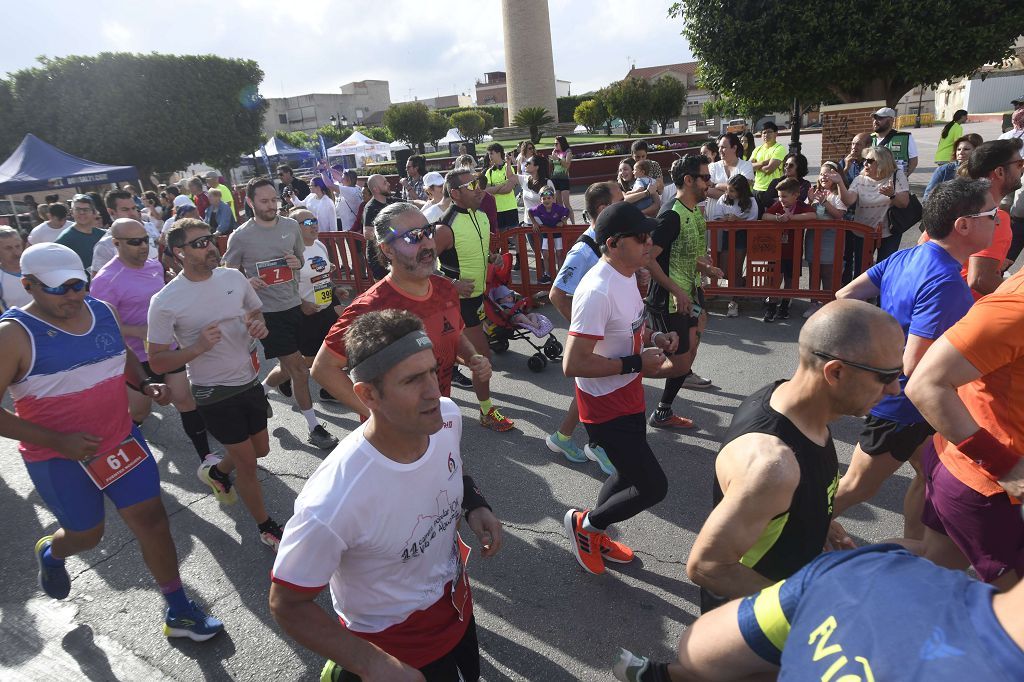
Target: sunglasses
414,236
991,215
869,161
472,184
200,242
309,222
77,286
133,241
640,237
705,177
884,376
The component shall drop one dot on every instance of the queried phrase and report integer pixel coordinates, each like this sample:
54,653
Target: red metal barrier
347,251
530,279
764,256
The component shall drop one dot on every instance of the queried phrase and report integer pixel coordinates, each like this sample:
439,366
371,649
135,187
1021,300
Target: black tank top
793,538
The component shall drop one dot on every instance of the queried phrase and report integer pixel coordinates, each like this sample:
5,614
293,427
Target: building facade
492,91
358,103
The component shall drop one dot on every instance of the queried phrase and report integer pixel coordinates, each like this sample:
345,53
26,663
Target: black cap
1019,100
622,218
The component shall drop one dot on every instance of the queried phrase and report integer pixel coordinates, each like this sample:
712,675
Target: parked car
736,125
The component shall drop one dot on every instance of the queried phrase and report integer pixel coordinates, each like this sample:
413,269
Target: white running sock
310,416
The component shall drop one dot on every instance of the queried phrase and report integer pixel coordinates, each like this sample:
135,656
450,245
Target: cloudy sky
423,48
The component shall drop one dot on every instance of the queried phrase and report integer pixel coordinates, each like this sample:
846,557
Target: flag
266,160
323,147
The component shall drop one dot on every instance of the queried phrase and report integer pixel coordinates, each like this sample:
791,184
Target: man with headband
406,240
395,563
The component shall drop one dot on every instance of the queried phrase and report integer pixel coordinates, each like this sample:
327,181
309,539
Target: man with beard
900,143
269,250
213,316
676,300
405,239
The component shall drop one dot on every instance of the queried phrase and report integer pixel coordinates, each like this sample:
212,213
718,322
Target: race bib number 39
108,467
274,271
322,290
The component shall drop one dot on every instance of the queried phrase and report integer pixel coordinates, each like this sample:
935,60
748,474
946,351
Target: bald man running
777,472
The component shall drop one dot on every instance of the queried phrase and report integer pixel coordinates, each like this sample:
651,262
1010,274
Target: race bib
460,586
322,290
274,271
108,467
254,356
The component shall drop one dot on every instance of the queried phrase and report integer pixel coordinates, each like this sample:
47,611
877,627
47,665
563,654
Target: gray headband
376,365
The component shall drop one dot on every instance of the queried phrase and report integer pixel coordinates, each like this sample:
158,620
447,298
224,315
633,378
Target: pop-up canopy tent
360,147
36,165
279,150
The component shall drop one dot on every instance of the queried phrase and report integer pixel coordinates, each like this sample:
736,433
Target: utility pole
794,135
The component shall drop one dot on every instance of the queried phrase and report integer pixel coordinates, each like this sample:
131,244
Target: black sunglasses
884,376
413,236
705,177
639,237
200,242
133,241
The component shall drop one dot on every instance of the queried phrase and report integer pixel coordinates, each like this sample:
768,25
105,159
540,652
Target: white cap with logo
885,112
52,264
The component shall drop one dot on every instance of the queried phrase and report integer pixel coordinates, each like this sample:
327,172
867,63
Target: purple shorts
988,530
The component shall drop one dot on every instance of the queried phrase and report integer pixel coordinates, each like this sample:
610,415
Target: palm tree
533,118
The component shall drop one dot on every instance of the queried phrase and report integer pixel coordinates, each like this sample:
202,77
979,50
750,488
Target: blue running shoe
595,453
571,451
193,624
53,580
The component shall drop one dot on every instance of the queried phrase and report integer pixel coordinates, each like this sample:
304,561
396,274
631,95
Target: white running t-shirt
381,533
607,307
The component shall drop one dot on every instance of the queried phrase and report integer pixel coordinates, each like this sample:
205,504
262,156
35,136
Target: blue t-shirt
922,288
879,613
577,263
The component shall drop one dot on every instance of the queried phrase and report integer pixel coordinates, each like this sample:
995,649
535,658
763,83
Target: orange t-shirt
991,337
997,250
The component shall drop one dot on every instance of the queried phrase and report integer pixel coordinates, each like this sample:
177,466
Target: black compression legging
638,482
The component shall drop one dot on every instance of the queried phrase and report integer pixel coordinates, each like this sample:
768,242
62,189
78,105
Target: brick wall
840,122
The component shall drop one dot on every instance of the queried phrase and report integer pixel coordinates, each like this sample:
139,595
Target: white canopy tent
362,148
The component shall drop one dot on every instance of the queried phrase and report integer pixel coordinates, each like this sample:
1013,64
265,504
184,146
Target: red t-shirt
789,236
439,310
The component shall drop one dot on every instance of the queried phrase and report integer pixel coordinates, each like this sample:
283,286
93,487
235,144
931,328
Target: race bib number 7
108,467
274,271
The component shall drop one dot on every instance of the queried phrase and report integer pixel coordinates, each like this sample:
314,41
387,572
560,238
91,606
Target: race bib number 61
108,467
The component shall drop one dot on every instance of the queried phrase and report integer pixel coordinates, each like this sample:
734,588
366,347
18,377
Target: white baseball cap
52,264
432,179
885,112
182,200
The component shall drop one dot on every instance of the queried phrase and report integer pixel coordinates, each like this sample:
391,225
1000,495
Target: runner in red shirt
407,241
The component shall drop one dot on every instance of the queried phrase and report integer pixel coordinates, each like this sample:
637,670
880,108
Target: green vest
467,259
690,245
898,144
502,202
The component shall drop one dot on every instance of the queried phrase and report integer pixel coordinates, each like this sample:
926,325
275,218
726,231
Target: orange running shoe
496,421
586,546
674,421
616,552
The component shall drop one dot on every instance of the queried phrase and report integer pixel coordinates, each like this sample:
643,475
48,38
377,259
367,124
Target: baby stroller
501,305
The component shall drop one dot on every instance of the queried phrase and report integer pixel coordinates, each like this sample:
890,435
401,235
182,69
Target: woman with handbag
881,186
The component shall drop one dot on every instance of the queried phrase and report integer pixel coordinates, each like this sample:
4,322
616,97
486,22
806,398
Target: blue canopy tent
36,165
279,151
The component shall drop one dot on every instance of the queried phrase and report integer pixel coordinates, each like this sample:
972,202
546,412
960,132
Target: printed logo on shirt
451,466
429,526
448,328
318,263
936,647
104,341
568,274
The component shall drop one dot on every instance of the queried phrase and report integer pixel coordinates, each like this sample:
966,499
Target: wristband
471,496
992,456
654,336
631,364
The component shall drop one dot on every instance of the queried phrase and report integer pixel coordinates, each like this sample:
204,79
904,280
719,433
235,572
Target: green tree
471,124
439,126
379,133
105,108
332,133
668,96
409,122
494,116
297,138
591,114
567,106
850,52
629,100
533,118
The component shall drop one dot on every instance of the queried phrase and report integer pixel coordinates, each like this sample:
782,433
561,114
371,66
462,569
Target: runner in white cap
66,365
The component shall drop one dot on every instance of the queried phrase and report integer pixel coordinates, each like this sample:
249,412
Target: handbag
902,219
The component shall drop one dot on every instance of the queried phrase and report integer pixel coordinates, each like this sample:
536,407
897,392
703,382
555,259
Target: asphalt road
540,617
